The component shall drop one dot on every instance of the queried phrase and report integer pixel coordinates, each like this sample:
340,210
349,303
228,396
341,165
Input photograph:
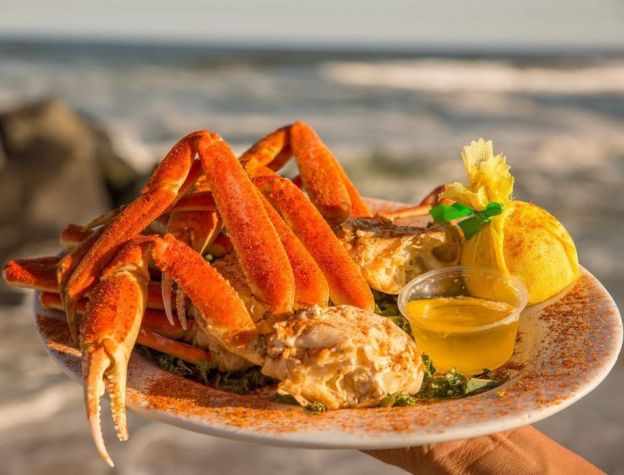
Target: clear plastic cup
464,318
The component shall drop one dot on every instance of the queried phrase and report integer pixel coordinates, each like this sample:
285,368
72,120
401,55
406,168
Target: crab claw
166,283
110,330
102,363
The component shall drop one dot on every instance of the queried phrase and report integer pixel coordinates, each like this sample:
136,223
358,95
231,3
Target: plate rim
346,440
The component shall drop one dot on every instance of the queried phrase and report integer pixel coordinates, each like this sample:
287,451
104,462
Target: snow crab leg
40,273
115,311
256,242
346,284
322,176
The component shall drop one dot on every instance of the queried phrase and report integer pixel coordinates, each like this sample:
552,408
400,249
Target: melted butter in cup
459,327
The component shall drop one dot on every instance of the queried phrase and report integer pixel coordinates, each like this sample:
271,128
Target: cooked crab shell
390,255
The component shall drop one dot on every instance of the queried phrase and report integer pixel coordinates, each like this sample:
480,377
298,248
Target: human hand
520,451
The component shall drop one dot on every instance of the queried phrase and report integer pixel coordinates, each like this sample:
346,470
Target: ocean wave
442,75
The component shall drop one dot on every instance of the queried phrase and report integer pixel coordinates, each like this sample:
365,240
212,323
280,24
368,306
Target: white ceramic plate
567,346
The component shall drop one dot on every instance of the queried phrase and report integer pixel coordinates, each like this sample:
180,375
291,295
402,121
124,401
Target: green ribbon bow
472,225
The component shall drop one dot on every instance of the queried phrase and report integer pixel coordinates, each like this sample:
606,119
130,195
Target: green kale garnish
204,368
173,365
316,407
386,306
290,400
453,384
398,400
387,309
240,382
450,385
447,386
429,368
285,399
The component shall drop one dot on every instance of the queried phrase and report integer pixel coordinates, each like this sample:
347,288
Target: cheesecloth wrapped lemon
525,240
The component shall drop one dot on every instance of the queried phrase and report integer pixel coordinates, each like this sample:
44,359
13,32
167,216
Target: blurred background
92,95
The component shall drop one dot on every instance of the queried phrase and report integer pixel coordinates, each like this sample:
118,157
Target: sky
455,23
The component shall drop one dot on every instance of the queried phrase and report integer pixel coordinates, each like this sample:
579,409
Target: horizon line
276,44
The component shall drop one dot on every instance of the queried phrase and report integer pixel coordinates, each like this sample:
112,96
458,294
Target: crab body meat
390,255
342,357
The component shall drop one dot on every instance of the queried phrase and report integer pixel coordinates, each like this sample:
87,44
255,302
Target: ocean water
397,120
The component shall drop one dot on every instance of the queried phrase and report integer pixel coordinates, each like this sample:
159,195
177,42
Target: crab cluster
287,286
